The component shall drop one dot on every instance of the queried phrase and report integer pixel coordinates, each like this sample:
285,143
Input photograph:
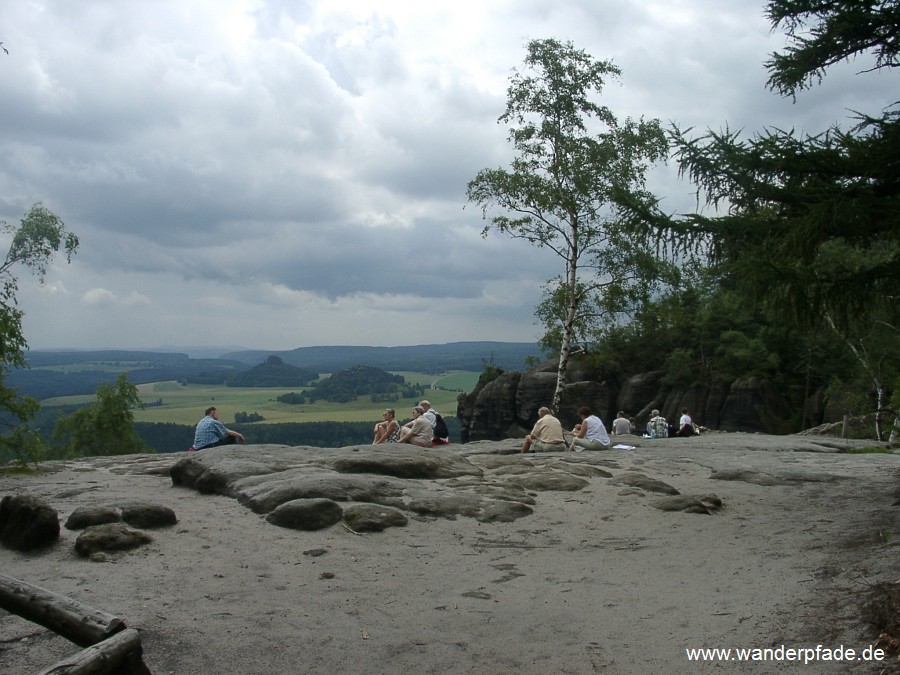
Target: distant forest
70,373
273,372
178,437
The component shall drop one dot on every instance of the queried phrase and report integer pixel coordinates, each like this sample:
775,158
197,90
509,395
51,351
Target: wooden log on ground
120,653
83,625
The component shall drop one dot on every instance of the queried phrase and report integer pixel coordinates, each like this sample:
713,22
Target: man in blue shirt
211,432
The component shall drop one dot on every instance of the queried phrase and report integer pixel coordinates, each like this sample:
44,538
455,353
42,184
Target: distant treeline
178,437
168,437
90,369
420,358
348,384
43,384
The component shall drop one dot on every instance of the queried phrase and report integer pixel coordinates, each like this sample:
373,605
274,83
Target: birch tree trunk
863,358
565,348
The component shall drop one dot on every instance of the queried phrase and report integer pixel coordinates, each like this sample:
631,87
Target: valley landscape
176,388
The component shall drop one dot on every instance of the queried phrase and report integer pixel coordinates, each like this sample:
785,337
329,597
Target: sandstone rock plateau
470,558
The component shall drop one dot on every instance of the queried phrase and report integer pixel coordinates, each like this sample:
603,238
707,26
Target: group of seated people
590,434
658,427
547,434
426,428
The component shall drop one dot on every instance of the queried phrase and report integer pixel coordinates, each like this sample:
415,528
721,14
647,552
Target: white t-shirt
595,430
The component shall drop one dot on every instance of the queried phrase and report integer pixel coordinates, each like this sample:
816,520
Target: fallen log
120,653
78,623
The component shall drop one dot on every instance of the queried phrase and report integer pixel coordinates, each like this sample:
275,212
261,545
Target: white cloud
281,174
102,296
99,296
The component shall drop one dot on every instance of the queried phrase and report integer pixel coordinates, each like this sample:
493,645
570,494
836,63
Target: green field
184,404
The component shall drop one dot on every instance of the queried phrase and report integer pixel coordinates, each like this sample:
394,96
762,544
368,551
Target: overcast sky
277,173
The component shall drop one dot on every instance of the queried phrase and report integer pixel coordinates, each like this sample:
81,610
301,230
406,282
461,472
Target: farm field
184,404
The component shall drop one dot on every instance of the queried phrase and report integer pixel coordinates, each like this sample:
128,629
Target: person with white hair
547,434
657,427
418,431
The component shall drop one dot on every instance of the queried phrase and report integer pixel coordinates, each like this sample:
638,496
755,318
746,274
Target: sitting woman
387,431
590,434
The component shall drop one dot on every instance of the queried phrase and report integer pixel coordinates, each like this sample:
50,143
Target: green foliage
273,372
292,398
825,32
701,332
811,222
39,236
852,397
681,366
106,426
803,227
575,164
488,375
874,450
247,418
350,383
739,355
807,223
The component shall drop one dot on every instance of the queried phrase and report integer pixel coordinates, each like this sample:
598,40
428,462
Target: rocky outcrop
99,539
306,488
705,504
27,523
136,514
507,407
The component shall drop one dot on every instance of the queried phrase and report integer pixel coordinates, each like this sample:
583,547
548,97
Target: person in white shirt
590,434
685,424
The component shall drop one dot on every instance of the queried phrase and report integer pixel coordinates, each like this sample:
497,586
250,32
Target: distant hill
422,358
71,372
273,372
347,384
43,359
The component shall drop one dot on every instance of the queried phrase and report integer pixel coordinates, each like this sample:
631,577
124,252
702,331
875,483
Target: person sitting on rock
657,427
440,434
387,431
418,431
547,434
211,433
590,434
621,426
685,424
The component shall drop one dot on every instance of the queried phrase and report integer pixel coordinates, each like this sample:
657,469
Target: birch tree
33,244
574,164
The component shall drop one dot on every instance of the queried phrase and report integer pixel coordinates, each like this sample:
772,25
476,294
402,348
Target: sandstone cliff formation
507,407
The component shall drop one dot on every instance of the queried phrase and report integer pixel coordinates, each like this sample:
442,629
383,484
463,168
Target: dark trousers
228,440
